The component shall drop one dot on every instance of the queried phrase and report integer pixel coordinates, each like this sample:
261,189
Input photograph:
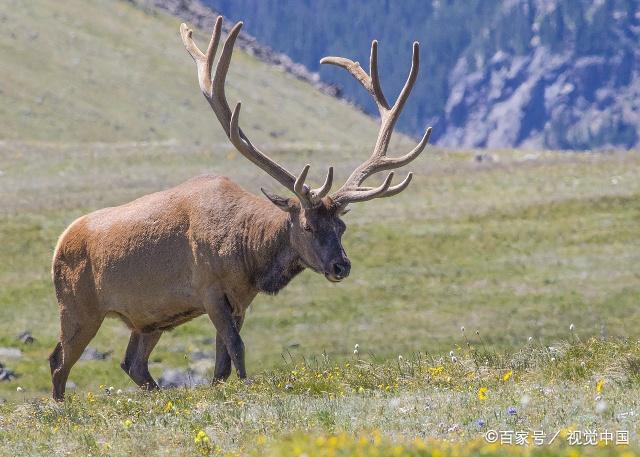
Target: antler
214,91
352,190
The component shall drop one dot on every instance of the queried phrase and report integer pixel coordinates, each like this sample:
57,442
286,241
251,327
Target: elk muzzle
338,269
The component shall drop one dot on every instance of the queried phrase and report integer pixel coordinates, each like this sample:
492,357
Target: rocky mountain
558,74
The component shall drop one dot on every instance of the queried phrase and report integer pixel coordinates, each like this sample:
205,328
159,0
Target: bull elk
207,245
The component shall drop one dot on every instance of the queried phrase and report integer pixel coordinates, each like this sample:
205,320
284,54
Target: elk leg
136,358
75,335
223,359
219,311
130,354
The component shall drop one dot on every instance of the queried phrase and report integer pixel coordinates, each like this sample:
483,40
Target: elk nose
341,268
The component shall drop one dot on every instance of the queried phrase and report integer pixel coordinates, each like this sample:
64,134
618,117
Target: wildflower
572,328
355,352
288,387
524,401
512,411
90,397
600,386
507,375
454,359
482,393
462,329
119,391
19,389
127,423
201,438
481,423
357,346
436,370
451,353
168,407
530,339
400,358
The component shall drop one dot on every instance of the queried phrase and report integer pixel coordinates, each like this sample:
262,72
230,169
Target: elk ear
341,210
283,203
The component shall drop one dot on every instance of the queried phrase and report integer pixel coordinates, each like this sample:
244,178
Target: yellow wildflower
201,437
600,386
127,423
507,375
168,407
90,397
482,393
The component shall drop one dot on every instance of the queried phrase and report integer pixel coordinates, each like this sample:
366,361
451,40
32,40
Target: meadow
534,254
517,248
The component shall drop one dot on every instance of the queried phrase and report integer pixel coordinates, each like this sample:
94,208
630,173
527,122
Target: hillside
109,71
553,74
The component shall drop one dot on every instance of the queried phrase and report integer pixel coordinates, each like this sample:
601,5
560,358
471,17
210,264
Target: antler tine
212,49
411,80
214,91
311,197
323,190
367,193
222,68
378,95
397,162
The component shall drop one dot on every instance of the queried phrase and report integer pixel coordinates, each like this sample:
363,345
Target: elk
207,246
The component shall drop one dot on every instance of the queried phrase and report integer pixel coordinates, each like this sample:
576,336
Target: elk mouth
333,278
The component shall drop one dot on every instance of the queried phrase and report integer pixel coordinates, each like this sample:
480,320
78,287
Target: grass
102,70
516,248
469,244
418,405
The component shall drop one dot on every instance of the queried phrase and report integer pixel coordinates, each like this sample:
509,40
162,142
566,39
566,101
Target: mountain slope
99,70
526,73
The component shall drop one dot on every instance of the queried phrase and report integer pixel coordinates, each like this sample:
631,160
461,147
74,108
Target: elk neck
270,259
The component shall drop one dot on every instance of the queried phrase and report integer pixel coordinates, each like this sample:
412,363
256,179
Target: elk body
207,246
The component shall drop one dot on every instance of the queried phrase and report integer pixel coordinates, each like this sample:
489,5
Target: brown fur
205,246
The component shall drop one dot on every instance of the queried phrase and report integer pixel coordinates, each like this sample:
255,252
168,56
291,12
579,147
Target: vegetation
513,246
103,70
421,405
471,40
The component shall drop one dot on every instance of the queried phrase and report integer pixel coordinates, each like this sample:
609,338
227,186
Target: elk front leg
223,359
228,332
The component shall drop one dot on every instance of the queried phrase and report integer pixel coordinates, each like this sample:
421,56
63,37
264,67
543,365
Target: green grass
105,70
516,248
513,249
418,405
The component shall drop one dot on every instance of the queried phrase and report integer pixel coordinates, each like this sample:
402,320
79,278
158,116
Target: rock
93,354
10,353
26,337
202,355
70,385
203,367
174,377
6,374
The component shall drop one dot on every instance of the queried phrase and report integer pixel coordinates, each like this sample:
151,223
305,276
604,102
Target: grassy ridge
101,70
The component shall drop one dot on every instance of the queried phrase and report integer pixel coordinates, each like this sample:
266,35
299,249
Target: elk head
313,214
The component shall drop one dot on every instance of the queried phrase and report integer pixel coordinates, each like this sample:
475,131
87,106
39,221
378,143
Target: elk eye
307,227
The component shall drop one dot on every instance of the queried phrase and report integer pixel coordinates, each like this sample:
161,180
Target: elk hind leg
75,335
